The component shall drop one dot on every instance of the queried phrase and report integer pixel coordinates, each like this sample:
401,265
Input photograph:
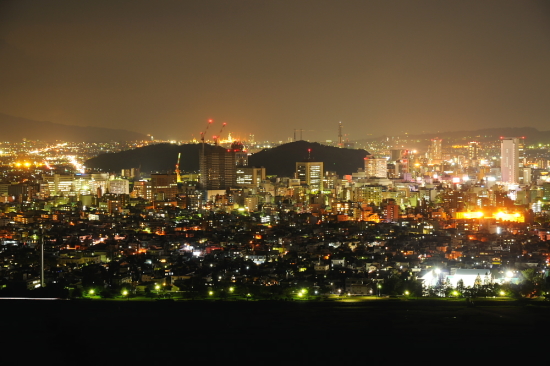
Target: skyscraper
473,153
436,152
509,160
217,168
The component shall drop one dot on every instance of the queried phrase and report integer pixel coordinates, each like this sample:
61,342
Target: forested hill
280,161
152,158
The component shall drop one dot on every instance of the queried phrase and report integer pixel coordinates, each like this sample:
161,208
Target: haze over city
267,68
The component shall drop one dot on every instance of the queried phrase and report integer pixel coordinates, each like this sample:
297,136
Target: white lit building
509,160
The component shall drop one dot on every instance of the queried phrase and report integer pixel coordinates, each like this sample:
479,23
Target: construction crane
204,133
178,176
217,138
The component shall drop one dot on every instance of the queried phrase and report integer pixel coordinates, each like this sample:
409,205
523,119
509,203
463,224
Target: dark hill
160,157
281,160
17,128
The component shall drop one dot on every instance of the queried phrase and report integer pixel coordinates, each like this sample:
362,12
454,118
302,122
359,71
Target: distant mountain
279,161
17,128
532,135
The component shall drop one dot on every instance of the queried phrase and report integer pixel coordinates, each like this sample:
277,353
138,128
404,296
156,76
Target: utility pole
42,280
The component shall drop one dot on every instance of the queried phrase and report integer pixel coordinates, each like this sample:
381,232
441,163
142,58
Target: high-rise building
217,168
436,152
509,160
376,168
311,174
473,153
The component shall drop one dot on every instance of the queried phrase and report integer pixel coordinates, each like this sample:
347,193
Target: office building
310,173
376,168
249,176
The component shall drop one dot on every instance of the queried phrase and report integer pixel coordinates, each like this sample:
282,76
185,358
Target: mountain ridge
19,128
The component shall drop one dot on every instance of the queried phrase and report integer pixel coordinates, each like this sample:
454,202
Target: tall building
473,153
376,168
217,168
435,151
311,174
509,160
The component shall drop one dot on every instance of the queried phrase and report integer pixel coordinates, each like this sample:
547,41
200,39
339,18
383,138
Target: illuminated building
391,211
58,184
249,176
311,174
119,186
369,194
436,153
376,168
473,153
509,160
130,173
142,189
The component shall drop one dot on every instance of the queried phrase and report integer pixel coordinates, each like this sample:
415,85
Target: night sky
268,67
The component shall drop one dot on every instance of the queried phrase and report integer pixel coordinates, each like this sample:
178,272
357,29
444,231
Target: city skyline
270,68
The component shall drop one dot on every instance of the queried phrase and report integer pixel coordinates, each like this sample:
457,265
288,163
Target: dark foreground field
212,333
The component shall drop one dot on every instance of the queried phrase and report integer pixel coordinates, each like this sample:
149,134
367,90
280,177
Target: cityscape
292,182
449,218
